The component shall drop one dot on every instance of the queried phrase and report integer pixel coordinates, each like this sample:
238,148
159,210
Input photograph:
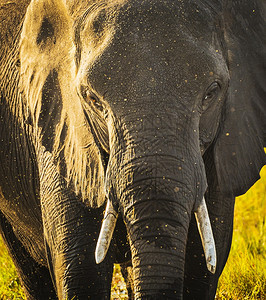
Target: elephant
155,108
49,230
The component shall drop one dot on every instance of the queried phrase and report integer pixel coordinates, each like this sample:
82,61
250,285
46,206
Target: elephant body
21,218
43,254
152,106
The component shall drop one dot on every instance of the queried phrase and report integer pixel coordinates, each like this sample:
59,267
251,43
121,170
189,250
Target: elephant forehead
181,66
153,44
168,14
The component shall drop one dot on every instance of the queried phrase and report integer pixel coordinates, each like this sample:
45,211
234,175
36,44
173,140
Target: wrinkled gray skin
50,234
174,97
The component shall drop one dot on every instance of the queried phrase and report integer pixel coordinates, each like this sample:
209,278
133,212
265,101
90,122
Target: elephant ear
239,149
48,71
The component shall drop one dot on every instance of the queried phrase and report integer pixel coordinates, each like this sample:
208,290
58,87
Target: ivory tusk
205,230
106,232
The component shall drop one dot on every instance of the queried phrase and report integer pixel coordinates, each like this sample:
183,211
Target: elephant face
146,90
160,87
157,90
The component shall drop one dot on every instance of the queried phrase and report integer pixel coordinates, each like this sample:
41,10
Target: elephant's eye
210,94
91,98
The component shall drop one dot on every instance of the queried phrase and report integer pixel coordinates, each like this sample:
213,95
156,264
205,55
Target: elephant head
154,95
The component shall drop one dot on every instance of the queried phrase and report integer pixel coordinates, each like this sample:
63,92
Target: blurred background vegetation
244,276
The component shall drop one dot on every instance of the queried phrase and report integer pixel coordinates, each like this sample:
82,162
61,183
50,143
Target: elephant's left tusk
206,235
106,232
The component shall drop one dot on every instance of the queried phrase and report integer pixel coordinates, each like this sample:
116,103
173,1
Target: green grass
9,282
244,277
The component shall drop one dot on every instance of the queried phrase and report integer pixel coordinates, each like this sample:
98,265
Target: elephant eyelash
211,93
91,98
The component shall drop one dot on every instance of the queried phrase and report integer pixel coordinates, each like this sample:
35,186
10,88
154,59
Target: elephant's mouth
204,227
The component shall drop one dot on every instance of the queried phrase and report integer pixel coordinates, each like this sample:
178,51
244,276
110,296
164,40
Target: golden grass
244,277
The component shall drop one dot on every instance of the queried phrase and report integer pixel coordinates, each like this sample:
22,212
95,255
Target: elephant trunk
158,250
156,197
157,181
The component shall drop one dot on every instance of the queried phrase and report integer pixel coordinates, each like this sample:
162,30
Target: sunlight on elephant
153,108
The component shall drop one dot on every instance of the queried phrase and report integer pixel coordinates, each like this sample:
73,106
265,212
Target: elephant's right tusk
106,233
205,230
